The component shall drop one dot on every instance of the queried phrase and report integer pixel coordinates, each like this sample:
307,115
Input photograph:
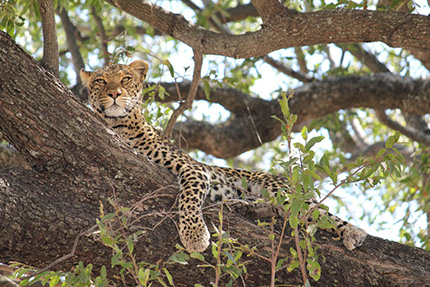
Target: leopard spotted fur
115,93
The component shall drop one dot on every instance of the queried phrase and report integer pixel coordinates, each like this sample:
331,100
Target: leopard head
116,91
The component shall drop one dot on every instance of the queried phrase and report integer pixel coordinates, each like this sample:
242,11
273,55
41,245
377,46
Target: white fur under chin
115,111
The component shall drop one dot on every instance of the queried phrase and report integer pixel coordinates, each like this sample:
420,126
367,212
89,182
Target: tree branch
289,29
51,58
366,58
72,45
198,60
102,33
313,100
305,78
301,61
416,135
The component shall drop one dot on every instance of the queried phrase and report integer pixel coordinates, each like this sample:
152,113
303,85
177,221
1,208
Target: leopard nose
114,94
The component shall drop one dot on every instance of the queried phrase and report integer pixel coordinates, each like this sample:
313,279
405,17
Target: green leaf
392,140
315,214
169,65
295,176
54,280
169,276
130,244
197,256
293,265
107,217
380,152
314,174
207,89
314,269
180,258
161,281
313,141
324,161
305,133
143,276
283,102
294,221
296,204
300,146
293,252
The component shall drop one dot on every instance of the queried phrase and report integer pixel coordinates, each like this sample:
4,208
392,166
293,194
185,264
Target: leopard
115,94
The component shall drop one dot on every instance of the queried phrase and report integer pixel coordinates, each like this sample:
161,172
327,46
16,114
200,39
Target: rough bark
77,163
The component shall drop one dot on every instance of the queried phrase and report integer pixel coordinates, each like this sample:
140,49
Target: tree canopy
356,75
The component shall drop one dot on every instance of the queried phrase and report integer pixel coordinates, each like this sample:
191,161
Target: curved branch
288,29
313,100
411,133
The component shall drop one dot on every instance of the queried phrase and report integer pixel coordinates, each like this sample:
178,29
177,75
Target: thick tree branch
290,29
51,58
313,100
42,145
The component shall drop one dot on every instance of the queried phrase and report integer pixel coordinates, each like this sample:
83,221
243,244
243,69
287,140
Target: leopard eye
100,81
126,79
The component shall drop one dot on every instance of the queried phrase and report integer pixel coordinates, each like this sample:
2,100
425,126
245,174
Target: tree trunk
78,163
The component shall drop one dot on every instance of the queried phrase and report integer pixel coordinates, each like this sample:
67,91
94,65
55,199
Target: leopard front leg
194,185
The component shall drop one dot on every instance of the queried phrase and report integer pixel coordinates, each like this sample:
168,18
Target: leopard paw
195,238
353,236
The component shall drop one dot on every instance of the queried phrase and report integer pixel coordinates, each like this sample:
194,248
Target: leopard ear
85,77
141,67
